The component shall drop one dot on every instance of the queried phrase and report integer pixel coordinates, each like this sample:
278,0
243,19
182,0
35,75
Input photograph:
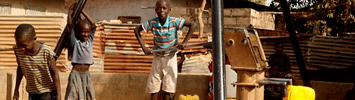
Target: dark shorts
43,96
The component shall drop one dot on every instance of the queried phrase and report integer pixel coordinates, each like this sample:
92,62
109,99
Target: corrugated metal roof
318,52
331,52
48,29
122,52
269,44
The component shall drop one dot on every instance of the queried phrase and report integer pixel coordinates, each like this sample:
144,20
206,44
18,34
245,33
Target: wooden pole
295,44
9,87
200,20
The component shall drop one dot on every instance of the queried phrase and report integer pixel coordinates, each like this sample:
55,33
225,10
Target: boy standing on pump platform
163,75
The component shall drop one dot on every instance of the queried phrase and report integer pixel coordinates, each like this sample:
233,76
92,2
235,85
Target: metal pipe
63,38
296,47
284,84
218,51
289,81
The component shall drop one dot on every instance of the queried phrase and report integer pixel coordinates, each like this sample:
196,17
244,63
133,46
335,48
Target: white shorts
163,74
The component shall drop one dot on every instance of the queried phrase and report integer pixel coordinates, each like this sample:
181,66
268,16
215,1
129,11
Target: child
280,62
81,46
280,68
163,74
36,61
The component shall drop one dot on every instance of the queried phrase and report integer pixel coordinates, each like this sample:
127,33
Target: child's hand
69,19
181,46
72,6
146,51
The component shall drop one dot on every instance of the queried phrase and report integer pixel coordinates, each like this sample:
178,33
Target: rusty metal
123,53
48,29
247,58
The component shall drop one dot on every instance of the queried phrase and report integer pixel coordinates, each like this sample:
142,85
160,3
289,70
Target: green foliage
338,14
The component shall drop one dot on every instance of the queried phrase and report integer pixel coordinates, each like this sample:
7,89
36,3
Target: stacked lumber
48,30
123,54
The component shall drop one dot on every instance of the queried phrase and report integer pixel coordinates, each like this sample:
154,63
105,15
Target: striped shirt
165,36
35,68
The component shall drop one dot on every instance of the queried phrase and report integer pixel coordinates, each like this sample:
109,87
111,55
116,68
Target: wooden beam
200,20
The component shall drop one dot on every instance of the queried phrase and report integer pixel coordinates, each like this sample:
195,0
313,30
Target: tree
335,15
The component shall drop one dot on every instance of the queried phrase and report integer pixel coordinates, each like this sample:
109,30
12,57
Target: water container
188,97
182,97
299,93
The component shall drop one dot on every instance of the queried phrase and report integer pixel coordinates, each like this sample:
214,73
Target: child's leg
90,95
154,96
154,78
73,87
170,77
168,96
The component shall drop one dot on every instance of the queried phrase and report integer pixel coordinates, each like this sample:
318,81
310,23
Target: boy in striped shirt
36,61
163,74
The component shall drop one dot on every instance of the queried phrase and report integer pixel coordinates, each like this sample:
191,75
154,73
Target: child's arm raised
55,76
70,19
88,18
140,40
192,27
19,76
93,26
71,35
